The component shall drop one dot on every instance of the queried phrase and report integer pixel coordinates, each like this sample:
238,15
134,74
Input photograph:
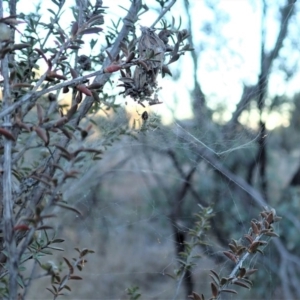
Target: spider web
126,200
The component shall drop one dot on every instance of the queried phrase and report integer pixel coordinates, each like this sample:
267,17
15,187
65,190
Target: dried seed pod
151,53
85,62
151,47
145,116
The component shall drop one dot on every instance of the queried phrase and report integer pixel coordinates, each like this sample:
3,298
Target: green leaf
57,241
56,248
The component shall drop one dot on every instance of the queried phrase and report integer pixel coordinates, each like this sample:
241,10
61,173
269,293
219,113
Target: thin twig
8,218
163,12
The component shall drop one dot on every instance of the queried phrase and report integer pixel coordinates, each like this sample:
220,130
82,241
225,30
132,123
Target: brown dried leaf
270,218
7,134
243,284
21,85
42,134
143,64
72,111
271,233
242,272
53,74
61,121
21,227
112,68
40,113
74,73
41,180
266,224
65,151
230,255
196,296
82,88
75,277
40,52
232,248
264,214
23,125
224,280
214,289
254,228
71,268
215,277
249,238
240,250
78,98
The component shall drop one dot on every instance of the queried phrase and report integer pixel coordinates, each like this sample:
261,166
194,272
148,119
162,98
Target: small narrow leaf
53,293
229,291
71,268
214,289
57,241
250,271
112,68
74,28
130,57
42,134
215,277
110,56
75,277
40,113
63,282
56,248
196,296
91,30
66,206
21,227
7,134
61,121
174,58
271,233
74,73
230,255
243,284
82,88
44,227
242,272
254,228
72,111
95,86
